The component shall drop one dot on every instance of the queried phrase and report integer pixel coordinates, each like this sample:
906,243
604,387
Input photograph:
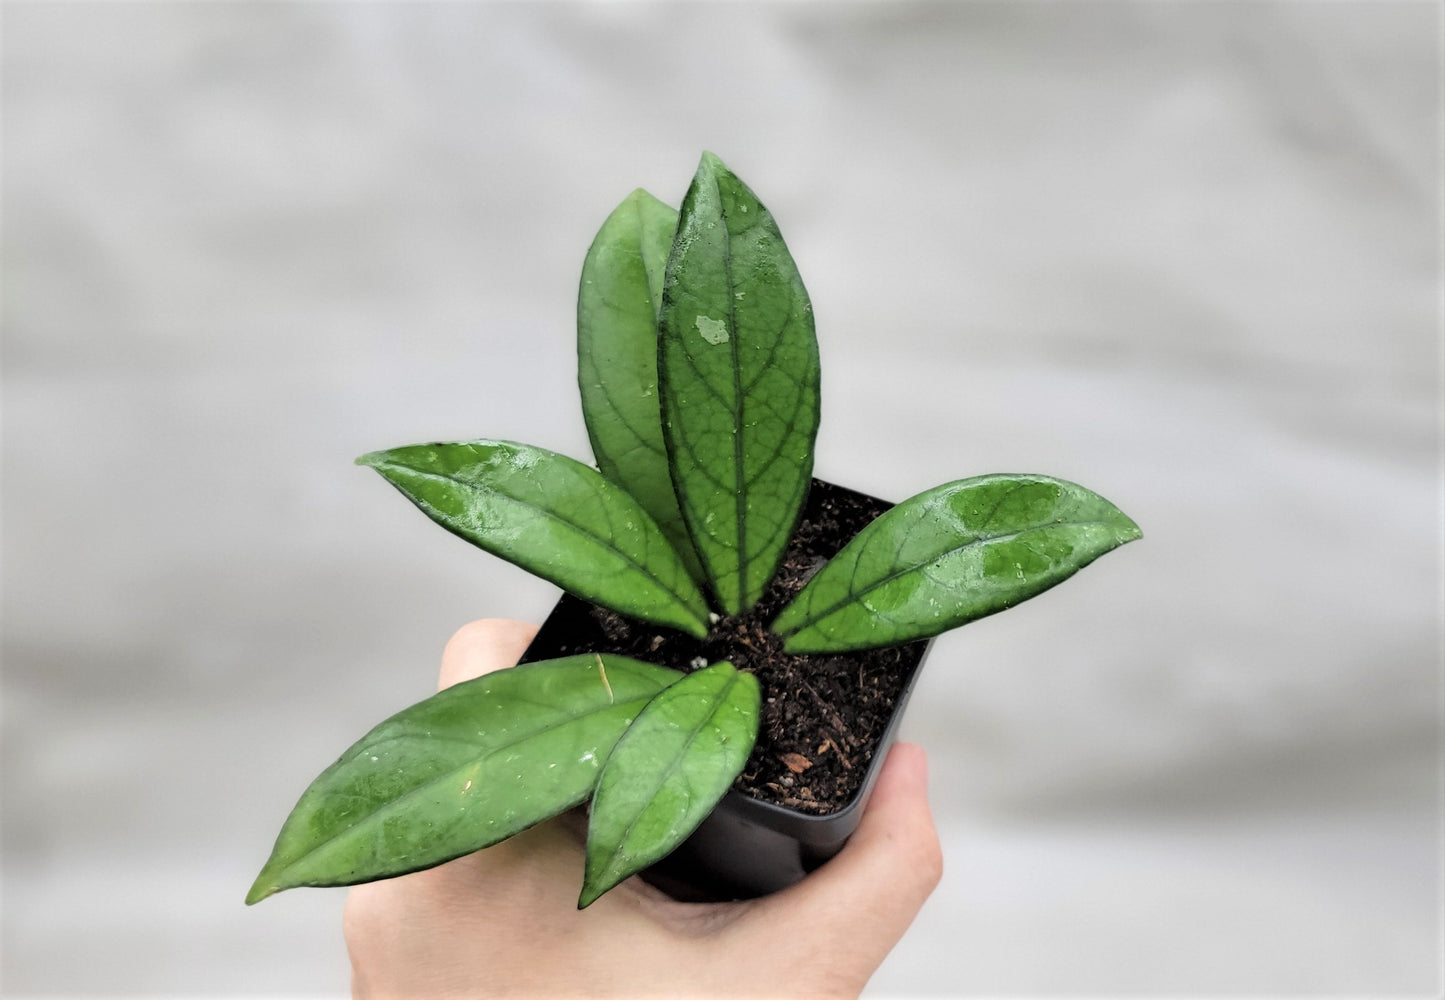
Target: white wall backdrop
1186,253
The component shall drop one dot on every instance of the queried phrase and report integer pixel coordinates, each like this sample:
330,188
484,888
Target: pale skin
504,922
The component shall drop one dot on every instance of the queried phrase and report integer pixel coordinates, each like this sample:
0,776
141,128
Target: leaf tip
372,459
713,168
1125,528
261,888
641,196
591,892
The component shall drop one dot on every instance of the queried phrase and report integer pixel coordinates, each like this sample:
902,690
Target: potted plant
724,611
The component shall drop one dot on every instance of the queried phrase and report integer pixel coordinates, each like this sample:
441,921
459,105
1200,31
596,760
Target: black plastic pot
747,847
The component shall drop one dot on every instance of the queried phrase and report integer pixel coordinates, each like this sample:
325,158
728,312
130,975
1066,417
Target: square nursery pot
771,829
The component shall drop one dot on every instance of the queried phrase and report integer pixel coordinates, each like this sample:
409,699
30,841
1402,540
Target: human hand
504,921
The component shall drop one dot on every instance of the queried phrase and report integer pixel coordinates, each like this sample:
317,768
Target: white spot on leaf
714,331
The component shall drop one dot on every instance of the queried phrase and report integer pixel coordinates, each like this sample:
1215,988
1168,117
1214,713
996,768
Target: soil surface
822,715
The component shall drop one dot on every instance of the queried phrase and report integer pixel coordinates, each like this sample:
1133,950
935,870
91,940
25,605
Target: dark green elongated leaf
553,516
738,375
465,768
667,772
617,306
949,555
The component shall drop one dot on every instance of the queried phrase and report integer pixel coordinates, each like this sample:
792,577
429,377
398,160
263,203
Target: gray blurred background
1186,254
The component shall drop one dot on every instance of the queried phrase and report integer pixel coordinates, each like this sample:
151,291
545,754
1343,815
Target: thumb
859,904
482,647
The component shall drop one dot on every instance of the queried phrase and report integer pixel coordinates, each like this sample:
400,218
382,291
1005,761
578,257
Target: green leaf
667,772
950,555
738,371
617,306
468,767
553,516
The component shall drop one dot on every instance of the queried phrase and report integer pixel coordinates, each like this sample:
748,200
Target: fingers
483,646
859,904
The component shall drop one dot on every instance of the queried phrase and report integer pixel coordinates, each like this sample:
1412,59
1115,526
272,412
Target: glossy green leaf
617,307
553,516
950,555
667,772
468,767
738,370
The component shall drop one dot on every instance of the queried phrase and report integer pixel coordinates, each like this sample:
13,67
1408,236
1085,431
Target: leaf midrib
642,254
854,596
740,483
675,763
453,771
652,296
585,533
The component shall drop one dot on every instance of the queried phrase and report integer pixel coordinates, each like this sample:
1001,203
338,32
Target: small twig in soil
838,723
842,757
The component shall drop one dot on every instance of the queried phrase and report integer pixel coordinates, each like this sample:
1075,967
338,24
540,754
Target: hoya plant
699,376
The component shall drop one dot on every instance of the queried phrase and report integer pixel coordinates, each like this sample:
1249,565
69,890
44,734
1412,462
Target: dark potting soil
822,715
